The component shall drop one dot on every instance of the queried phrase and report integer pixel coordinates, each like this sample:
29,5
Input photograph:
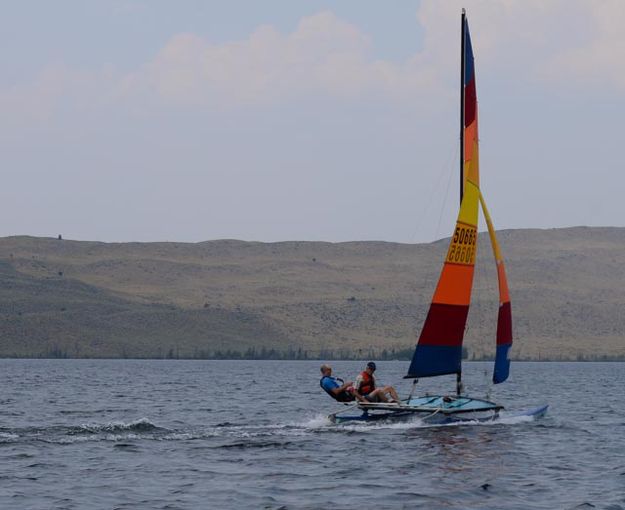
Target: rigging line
440,216
431,415
414,386
489,385
448,164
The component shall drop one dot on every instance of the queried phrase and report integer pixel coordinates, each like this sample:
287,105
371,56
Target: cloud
549,44
323,55
59,96
546,43
553,44
600,60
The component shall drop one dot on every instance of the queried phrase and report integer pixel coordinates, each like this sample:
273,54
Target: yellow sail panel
491,233
454,285
504,293
469,207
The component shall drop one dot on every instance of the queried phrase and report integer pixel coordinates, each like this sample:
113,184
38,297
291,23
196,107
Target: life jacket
343,396
367,385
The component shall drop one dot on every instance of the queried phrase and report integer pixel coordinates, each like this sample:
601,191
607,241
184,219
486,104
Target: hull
436,409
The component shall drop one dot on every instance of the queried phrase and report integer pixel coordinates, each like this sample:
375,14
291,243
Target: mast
439,348
462,72
462,63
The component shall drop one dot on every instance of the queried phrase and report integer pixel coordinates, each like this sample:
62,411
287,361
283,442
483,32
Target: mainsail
439,349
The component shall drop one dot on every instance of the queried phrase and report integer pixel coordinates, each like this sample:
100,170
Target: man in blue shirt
336,388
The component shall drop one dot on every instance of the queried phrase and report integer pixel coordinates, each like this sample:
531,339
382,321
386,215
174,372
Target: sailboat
439,348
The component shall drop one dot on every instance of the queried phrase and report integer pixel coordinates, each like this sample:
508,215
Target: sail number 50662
462,247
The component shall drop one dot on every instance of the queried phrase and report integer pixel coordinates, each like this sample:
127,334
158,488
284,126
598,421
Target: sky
311,120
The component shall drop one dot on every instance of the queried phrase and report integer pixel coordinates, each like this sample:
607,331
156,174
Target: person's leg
391,391
378,395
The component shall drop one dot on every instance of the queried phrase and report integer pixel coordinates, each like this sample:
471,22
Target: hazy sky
304,120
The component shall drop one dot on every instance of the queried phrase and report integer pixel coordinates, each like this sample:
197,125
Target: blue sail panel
433,360
502,363
468,56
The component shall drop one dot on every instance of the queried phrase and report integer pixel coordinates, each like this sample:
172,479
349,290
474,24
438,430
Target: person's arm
376,384
359,397
331,385
354,391
358,382
341,388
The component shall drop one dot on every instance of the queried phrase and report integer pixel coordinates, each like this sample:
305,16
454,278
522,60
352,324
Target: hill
229,298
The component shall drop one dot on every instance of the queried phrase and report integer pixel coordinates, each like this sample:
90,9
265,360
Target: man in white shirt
365,385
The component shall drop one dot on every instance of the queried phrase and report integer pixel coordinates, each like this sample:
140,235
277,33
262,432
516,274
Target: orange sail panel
504,317
439,349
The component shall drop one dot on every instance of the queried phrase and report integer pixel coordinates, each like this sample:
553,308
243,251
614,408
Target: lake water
135,434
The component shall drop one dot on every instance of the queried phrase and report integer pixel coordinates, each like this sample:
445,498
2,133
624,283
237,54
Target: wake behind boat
439,349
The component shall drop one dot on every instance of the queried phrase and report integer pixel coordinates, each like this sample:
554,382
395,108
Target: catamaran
439,348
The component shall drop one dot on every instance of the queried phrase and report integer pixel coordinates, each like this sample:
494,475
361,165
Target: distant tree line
293,353
577,357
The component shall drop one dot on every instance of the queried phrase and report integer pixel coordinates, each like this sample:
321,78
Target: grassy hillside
60,297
